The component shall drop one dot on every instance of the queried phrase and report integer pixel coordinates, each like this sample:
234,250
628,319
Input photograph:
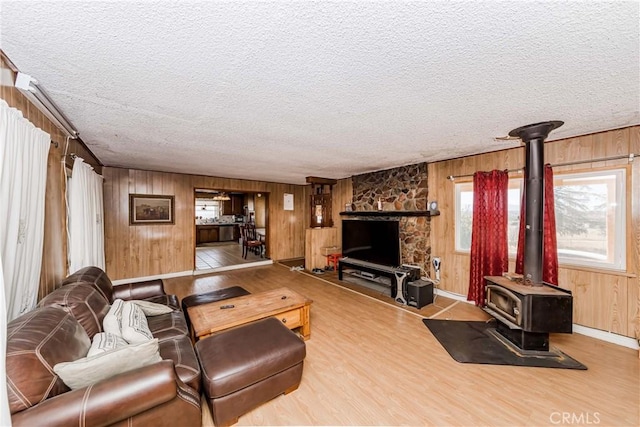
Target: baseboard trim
232,267
450,295
606,336
157,276
191,272
578,329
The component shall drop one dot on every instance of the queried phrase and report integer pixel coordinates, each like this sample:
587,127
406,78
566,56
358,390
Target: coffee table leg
305,329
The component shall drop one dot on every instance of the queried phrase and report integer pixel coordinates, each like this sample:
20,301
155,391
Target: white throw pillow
135,328
112,320
152,308
89,370
105,341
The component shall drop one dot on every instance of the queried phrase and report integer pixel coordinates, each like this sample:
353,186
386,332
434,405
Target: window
208,208
590,217
464,214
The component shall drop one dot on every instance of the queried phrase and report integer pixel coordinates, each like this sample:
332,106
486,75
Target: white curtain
23,178
86,226
5,418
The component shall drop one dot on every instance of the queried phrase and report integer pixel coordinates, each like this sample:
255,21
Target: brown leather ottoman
213,296
247,366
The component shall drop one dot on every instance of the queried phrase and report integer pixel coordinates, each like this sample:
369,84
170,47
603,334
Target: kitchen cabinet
234,206
207,234
238,204
227,207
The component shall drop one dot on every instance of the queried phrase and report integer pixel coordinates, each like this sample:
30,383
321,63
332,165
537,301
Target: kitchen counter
216,232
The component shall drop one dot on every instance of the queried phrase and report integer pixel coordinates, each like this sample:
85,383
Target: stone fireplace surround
403,188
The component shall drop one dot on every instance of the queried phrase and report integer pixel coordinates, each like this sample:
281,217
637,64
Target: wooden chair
250,241
254,235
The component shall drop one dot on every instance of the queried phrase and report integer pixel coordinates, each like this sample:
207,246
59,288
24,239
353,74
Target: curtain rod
35,93
629,157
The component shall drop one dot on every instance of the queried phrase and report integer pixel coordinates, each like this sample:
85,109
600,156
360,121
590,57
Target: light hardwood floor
223,255
372,363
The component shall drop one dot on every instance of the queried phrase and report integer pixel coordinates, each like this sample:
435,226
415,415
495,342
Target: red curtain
550,244
489,253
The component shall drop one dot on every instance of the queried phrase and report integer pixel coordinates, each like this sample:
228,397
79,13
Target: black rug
478,342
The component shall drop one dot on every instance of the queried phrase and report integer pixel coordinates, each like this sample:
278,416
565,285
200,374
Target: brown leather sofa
59,330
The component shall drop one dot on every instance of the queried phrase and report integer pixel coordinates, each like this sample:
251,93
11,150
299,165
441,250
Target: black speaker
413,271
419,293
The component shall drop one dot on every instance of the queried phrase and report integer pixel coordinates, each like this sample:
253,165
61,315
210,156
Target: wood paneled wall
148,250
54,261
260,209
602,300
341,195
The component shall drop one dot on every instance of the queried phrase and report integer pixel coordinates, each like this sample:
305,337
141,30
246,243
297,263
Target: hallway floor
216,255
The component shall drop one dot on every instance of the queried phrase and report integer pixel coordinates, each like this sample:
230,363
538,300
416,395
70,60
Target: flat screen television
372,240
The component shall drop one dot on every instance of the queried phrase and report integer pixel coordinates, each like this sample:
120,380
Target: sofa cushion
105,341
36,342
112,321
83,301
94,276
180,351
90,370
162,326
151,309
135,328
170,325
169,300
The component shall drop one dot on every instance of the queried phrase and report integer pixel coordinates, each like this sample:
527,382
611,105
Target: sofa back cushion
36,342
94,276
83,301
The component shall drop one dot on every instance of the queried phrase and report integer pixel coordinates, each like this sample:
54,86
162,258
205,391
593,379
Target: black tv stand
398,275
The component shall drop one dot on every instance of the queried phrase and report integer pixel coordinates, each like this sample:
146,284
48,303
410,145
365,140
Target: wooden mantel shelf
390,213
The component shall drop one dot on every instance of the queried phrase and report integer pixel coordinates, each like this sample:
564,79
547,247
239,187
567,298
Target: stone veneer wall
401,189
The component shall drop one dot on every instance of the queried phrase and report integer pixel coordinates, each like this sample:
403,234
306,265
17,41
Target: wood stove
526,308
527,314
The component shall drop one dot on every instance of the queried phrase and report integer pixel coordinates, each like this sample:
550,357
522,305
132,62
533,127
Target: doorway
219,214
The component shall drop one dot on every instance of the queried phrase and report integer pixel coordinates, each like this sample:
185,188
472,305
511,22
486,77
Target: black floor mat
478,342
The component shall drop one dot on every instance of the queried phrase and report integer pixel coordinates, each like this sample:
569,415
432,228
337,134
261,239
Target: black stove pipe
533,137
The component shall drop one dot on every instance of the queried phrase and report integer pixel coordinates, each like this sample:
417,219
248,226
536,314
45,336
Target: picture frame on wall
146,209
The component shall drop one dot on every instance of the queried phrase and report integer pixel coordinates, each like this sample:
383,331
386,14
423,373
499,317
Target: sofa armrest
108,401
139,290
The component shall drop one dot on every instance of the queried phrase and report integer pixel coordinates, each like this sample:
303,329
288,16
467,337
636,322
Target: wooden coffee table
290,307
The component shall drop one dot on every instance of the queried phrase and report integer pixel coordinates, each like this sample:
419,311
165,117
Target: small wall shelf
390,213
320,201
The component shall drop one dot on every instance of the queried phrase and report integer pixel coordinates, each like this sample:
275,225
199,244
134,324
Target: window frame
619,262
618,221
514,183
213,208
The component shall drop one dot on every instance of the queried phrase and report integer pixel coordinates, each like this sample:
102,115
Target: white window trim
618,264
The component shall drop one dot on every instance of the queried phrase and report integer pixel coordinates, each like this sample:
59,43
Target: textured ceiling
279,91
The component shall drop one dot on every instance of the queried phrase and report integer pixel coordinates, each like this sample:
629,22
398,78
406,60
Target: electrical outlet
437,263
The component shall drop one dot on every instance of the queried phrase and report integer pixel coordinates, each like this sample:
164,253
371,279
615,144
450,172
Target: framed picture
150,209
